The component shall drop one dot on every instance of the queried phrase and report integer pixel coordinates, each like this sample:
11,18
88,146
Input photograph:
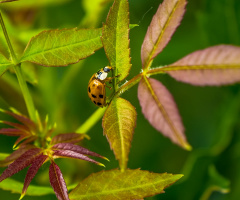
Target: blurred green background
210,114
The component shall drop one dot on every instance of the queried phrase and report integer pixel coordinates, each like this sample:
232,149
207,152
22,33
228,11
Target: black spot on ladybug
93,85
99,104
101,96
98,87
89,90
94,96
94,102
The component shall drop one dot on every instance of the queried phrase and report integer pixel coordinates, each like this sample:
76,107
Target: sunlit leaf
215,65
130,184
115,38
33,169
161,29
29,4
118,124
20,163
4,64
62,47
159,108
68,138
57,182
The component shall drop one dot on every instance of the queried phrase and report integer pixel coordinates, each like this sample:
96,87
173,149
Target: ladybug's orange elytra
97,86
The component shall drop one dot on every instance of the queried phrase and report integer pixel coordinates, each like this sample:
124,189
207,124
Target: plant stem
13,55
93,119
17,68
26,94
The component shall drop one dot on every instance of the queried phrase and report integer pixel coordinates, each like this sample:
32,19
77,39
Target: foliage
38,142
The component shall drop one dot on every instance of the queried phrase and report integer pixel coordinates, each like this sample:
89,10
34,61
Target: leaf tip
187,146
105,158
100,164
22,195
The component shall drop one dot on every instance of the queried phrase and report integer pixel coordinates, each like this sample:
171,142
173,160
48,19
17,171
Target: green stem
93,119
26,94
13,55
17,68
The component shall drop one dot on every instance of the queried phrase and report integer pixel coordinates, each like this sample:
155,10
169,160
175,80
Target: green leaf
62,47
32,4
115,38
16,187
130,184
118,124
4,64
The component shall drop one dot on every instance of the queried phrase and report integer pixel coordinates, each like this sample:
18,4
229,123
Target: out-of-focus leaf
16,154
161,29
57,182
159,108
118,124
33,169
217,65
62,47
115,38
5,1
23,161
93,9
68,138
15,125
30,74
130,184
29,4
4,64
11,132
75,148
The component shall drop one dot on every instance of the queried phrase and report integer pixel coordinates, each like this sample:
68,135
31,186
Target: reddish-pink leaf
68,138
16,154
26,141
20,139
57,182
159,108
11,132
16,125
76,148
33,169
161,29
23,161
215,65
23,119
72,154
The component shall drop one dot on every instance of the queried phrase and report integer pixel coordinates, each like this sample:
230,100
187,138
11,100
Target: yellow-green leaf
115,38
4,64
62,47
118,125
127,185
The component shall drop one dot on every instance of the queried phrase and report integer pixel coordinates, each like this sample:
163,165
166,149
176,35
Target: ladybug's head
107,69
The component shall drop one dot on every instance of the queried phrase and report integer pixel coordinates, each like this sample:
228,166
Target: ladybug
97,85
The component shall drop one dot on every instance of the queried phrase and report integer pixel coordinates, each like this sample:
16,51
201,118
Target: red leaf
16,125
36,164
16,154
11,132
77,149
215,65
23,119
26,141
159,108
161,29
57,182
72,154
23,161
67,138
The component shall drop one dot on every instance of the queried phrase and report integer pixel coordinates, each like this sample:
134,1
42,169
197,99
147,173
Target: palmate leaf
20,163
217,65
33,169
4,64
62,47
114,184
159,108
115,38
118,124
161,29
57,182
